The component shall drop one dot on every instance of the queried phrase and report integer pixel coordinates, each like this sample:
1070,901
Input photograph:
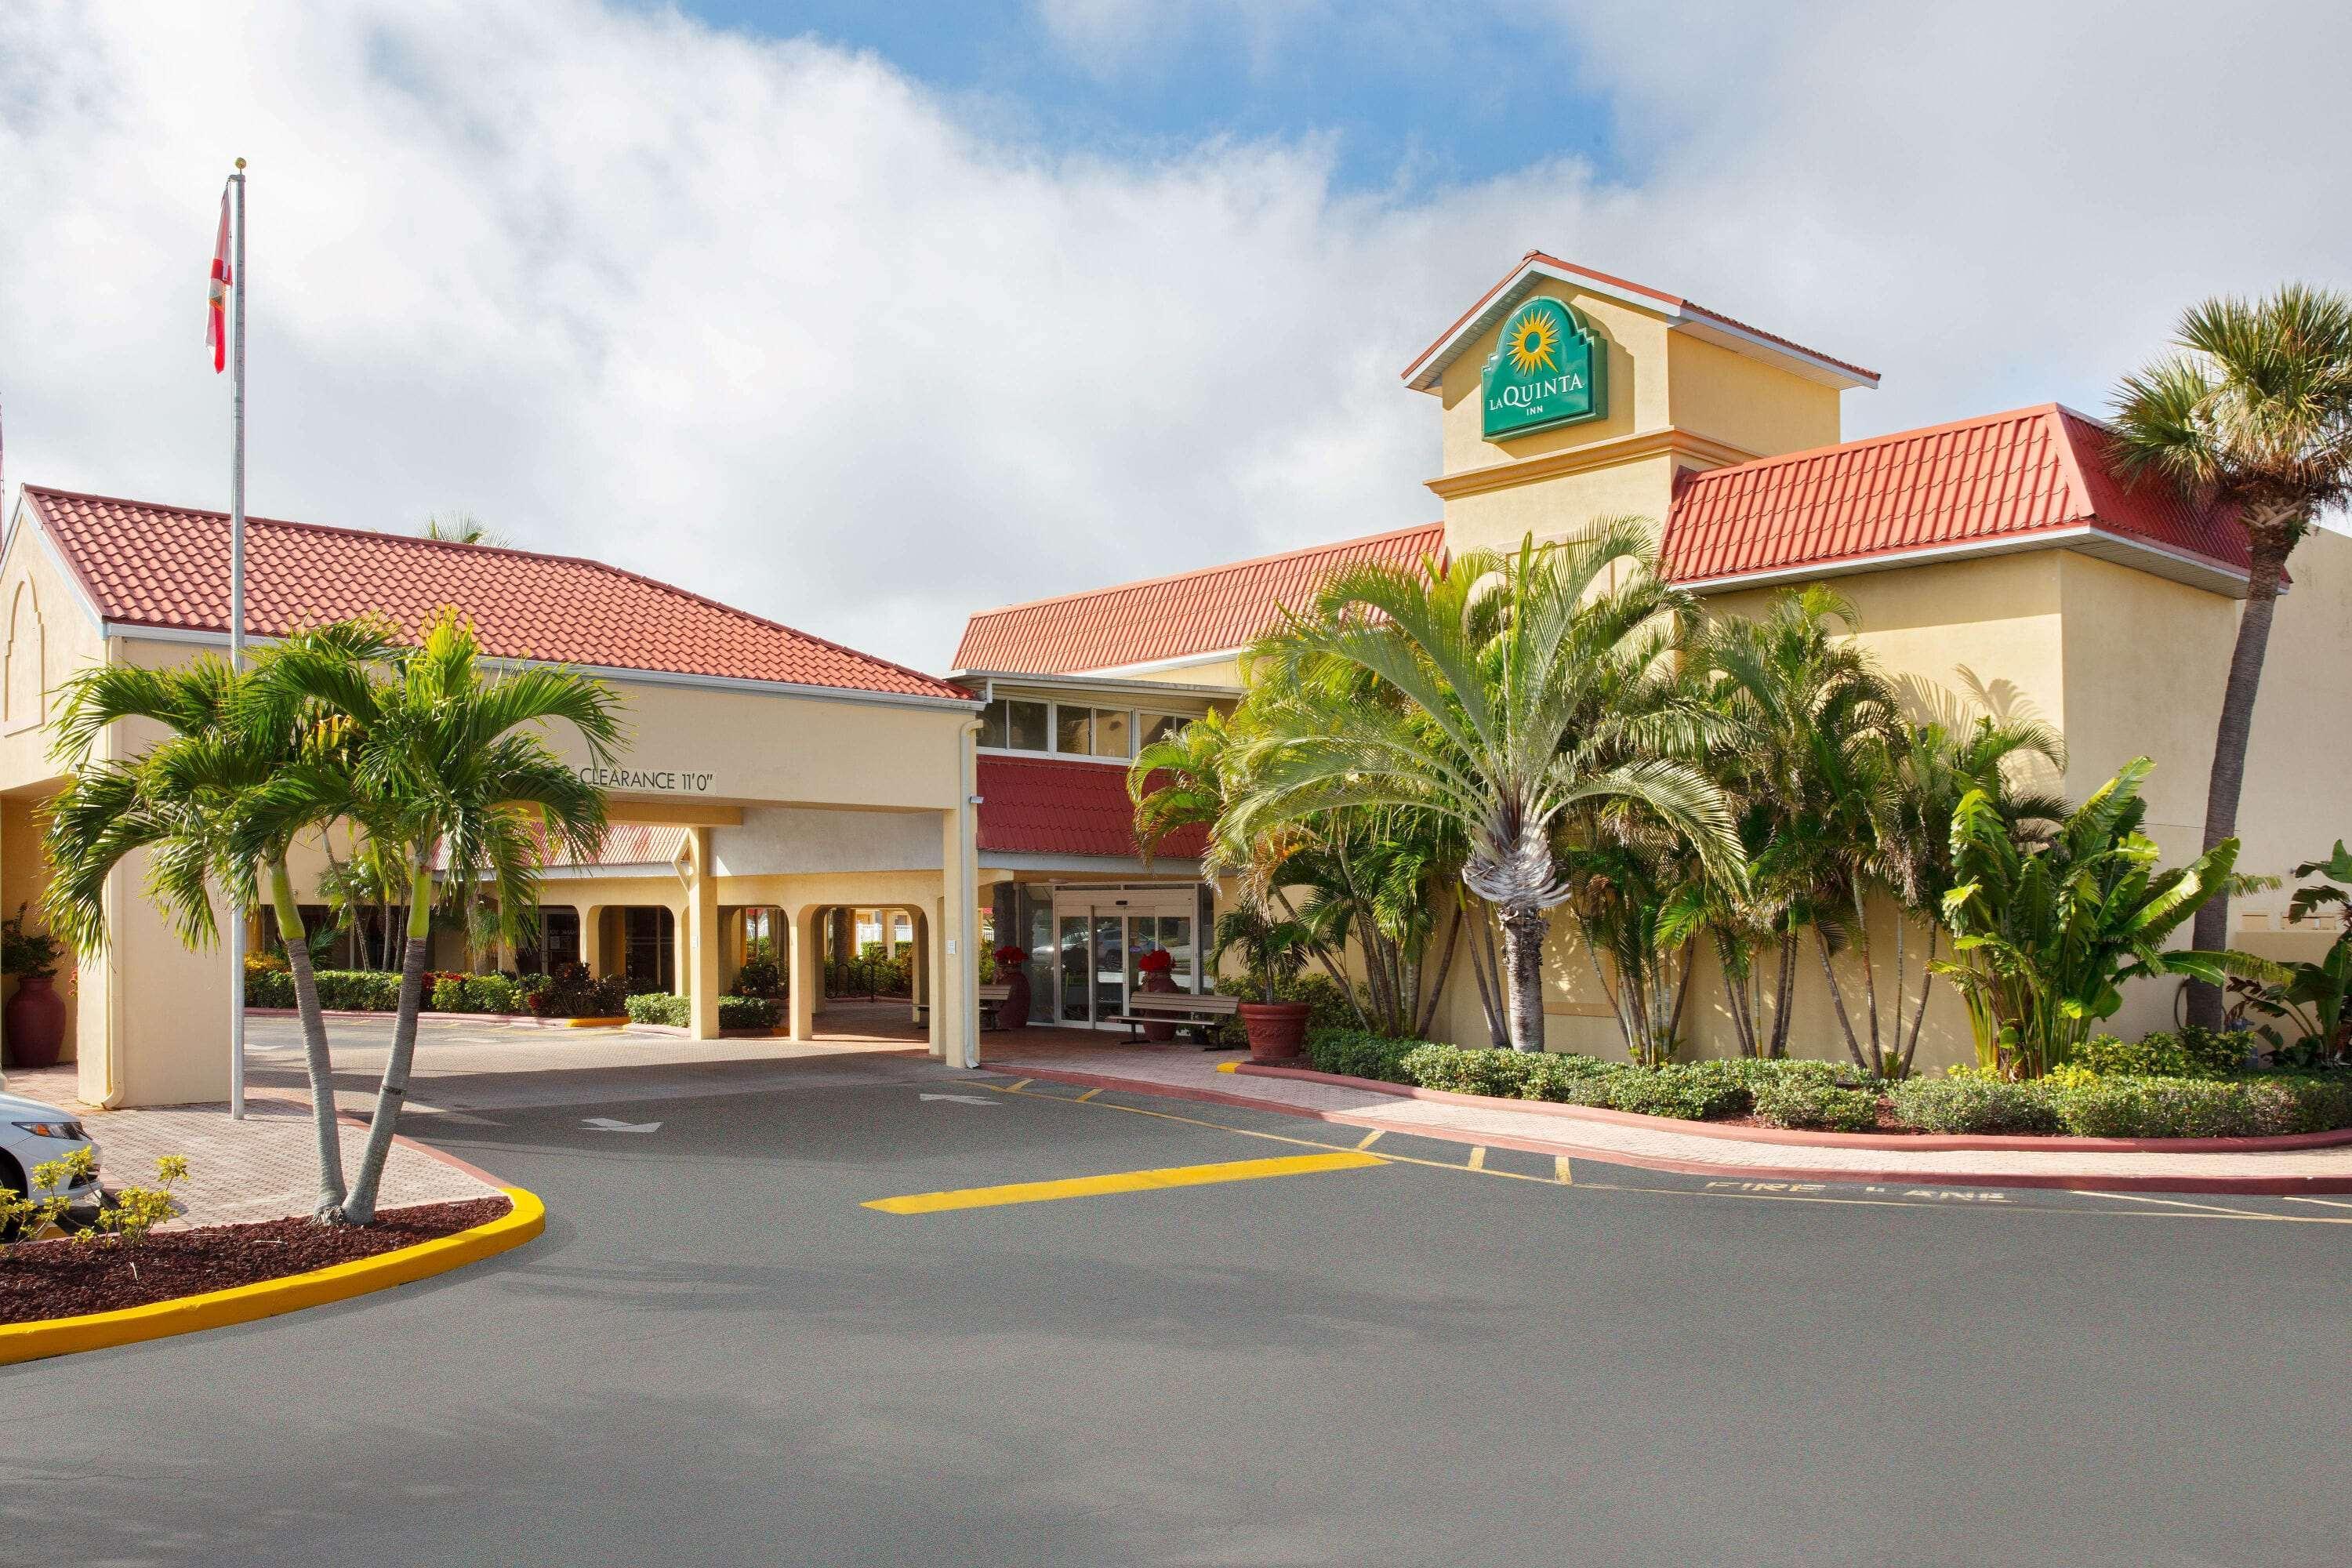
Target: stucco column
698,964
955,1004
918,965
592,939
803,968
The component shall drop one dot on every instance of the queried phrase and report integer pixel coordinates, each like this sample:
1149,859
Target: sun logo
1530,343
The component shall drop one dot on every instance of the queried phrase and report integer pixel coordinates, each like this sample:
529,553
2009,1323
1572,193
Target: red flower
1155,962
1010,954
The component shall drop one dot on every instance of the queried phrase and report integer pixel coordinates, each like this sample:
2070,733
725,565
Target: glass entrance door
1102,938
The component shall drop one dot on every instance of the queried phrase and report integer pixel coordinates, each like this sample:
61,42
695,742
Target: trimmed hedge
1689,1092
475,994
1973,1104
2268,1106
340,990
678,1011
2191,1052
1816,1105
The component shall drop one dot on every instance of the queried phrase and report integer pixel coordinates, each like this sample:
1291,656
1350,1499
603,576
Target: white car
32,1134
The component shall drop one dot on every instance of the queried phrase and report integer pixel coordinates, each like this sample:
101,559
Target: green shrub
268,988
759,978
456,993
1809,1101
2191,1052
1327,1006
1476,1070
1974,1104
1687,1091
2267,1106
571,993
749,1012
1568,1080
661,1007
1359,1053
359,990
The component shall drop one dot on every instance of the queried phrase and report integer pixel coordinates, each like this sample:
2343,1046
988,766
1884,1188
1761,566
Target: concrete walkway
1190,1072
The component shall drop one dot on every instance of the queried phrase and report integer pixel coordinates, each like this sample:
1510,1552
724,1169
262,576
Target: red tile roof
1421,367
149,565
1204,612
2002,477
1043,805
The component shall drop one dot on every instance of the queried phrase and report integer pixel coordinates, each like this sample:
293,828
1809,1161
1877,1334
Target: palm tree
2253,414
190,802
446,759
1502,695
1810,757
461,528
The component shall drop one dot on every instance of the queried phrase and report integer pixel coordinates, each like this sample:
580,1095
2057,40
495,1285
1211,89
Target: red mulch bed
42,1279
1886,1123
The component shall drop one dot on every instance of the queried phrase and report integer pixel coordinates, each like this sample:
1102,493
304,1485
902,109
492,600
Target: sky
866,318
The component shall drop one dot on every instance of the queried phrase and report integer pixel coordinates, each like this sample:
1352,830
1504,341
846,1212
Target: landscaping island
2171,1087
41,1280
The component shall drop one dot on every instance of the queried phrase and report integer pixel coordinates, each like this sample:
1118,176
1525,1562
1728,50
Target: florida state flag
216,313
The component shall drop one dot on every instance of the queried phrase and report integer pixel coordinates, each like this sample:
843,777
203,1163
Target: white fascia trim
991,679
1422,376
1177,868
1181,661
134,630
2055,538
26,517
1050,756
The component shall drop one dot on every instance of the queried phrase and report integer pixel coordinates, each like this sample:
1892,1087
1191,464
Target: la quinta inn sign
1549,368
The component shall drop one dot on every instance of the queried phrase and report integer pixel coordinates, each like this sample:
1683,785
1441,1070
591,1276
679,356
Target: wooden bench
1177,1007
989,999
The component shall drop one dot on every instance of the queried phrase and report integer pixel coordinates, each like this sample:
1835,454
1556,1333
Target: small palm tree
190,802
445,758
2252,413
1503,695
460,528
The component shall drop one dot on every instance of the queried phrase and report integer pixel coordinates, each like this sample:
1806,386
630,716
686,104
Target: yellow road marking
1478,1158
1559,1169
1089,1094
1025,1083
2324,1203
1126,1182
1562,1179
1372,1138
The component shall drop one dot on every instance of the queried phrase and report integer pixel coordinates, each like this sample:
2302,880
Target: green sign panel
1550,369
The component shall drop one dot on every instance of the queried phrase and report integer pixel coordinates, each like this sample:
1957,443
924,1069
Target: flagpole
236,626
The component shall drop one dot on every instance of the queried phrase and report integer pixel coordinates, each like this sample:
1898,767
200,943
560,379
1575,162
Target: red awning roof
147,565
2001,478
1208,611
1042,805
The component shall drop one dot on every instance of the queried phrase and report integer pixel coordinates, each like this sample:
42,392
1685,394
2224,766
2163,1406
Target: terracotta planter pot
1277,1029
1159,984
35,1022
1012,1013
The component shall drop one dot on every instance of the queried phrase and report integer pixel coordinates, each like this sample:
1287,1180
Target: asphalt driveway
718,1353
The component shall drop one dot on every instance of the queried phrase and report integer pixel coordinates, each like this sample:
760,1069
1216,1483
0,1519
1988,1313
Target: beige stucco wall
1636,341
1744,402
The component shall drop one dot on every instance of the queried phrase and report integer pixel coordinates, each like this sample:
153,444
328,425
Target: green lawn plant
2045,934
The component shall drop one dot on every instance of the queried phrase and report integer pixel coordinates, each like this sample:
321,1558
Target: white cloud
775,323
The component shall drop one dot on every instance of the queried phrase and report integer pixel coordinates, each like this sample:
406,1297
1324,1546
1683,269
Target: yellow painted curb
244,1303
594,1023
1229,1066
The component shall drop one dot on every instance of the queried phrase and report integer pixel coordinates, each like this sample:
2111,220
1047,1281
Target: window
1013,726
1111,725
1073,729
1153,727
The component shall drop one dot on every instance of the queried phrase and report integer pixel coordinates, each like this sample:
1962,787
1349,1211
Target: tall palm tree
447,759
1502,694
1808,756
190,801
2253,412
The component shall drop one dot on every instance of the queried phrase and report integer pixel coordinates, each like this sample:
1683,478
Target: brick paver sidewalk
1187,1069
263,1167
